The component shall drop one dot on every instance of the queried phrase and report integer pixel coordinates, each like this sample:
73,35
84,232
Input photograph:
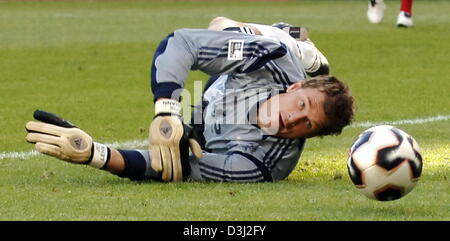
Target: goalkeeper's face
298,113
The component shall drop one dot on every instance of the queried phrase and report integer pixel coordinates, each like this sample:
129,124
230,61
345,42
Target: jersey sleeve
234,166
240,162
212,52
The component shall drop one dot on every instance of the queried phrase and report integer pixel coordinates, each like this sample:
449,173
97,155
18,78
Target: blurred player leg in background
375,12
404,18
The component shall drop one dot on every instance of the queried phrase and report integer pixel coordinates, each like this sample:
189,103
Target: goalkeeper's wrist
167,106
100,156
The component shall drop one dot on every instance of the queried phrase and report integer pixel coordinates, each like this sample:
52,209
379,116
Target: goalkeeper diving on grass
269,91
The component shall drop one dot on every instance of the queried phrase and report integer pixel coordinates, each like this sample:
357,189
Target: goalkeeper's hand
170,140
59,138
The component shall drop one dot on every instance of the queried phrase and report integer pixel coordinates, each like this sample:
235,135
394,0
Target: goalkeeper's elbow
324,69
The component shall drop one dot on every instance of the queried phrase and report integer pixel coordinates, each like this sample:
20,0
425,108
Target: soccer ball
384,163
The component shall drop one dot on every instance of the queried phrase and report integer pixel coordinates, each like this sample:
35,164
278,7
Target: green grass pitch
89,61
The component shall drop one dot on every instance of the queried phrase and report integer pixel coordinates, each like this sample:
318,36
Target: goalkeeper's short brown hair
338,105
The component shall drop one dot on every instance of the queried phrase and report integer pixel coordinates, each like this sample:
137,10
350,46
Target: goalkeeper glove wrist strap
167,106
100,156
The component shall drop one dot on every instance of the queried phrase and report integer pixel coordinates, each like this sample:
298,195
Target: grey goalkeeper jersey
250,70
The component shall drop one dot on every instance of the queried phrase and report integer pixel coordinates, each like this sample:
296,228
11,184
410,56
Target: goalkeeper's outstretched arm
59,138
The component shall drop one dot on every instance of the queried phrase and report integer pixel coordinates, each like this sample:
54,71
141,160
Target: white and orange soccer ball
384,163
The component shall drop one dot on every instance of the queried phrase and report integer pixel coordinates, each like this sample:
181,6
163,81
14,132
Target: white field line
402,122
28,154
143,143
